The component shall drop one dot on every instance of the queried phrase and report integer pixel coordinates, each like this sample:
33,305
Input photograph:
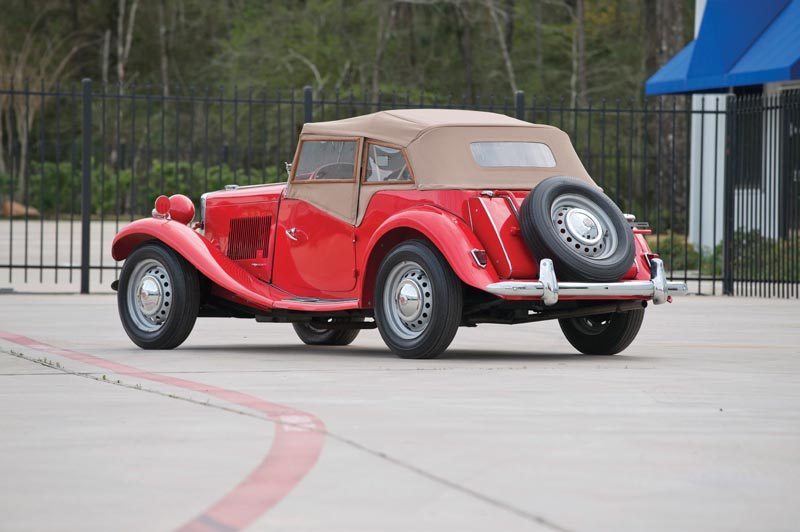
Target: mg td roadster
416,222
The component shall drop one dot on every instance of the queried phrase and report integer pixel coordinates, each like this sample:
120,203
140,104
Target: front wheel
606,334
158,297
418,301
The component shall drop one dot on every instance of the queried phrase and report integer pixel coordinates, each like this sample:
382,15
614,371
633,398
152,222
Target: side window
385,164
326,159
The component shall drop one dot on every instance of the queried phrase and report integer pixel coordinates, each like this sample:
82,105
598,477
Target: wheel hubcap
409,296
583,226
408,300
149,295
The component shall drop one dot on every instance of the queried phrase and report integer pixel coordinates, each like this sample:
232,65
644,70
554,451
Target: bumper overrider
548,289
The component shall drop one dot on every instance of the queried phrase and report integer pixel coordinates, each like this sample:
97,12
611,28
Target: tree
38,61
666,35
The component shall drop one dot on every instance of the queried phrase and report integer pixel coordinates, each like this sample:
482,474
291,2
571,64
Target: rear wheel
418,301
606,334
314,334
158,297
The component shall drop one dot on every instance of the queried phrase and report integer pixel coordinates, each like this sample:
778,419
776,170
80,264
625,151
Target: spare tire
579,228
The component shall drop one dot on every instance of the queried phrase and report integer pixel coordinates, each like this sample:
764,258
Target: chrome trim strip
499,236
659,289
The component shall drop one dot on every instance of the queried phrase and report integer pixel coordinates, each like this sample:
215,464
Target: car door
315,241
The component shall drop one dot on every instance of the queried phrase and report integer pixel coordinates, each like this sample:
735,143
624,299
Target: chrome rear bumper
548,289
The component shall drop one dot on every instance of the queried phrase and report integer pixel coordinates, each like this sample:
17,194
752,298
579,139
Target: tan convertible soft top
437,142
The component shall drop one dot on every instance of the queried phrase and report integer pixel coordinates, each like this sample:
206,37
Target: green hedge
753,256
680,254
55,187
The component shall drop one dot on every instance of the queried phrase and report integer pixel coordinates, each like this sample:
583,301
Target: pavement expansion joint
299,424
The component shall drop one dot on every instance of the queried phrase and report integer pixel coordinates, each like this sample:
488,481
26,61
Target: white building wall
755,208
707,170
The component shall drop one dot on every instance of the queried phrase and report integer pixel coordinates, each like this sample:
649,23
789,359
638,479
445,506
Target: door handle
292,233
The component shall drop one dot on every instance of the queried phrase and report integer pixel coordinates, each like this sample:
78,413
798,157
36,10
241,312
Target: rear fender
193,247
452,237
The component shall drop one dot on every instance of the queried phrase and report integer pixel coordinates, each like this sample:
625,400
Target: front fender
452,237
193,247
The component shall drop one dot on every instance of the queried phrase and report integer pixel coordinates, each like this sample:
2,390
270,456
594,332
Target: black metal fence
717,177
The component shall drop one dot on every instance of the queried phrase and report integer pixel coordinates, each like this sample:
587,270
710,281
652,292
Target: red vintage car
413,221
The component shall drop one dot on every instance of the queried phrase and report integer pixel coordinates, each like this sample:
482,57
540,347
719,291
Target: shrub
680,254
56,188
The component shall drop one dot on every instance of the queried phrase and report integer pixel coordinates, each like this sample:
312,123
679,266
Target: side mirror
288,166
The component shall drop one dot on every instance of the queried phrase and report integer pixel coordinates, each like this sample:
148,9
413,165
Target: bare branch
314,70
493,10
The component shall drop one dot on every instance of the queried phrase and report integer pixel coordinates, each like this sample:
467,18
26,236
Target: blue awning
740,42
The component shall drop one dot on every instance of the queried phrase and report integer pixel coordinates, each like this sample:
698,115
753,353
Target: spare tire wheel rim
583,226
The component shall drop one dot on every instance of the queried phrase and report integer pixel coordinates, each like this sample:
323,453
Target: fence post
86,183
308,104
519,105
729,176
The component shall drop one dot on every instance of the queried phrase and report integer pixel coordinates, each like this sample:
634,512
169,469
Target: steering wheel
322,171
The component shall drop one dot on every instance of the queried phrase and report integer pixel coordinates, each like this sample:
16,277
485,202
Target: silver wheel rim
149,295
584,227
408,300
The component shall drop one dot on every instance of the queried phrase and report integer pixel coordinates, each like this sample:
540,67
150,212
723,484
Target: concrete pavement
695,427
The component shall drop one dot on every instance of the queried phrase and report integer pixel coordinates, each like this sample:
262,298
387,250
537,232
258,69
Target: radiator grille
248,236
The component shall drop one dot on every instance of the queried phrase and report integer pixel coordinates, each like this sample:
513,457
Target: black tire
310,334
181,295
607,334
440,301
547,236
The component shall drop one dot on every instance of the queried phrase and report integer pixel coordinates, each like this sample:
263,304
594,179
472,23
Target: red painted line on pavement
297,444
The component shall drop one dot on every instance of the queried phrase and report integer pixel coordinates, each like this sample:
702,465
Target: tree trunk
162,40
412,43
3,169
105,59
580,53
464,34
509,30
501,37
663,38
386,14
539,45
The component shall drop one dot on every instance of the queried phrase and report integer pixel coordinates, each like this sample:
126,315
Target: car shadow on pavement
383,353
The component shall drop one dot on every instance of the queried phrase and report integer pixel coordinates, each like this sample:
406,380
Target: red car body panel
200,252
256,212
496,225
319,259
450,234
328,264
